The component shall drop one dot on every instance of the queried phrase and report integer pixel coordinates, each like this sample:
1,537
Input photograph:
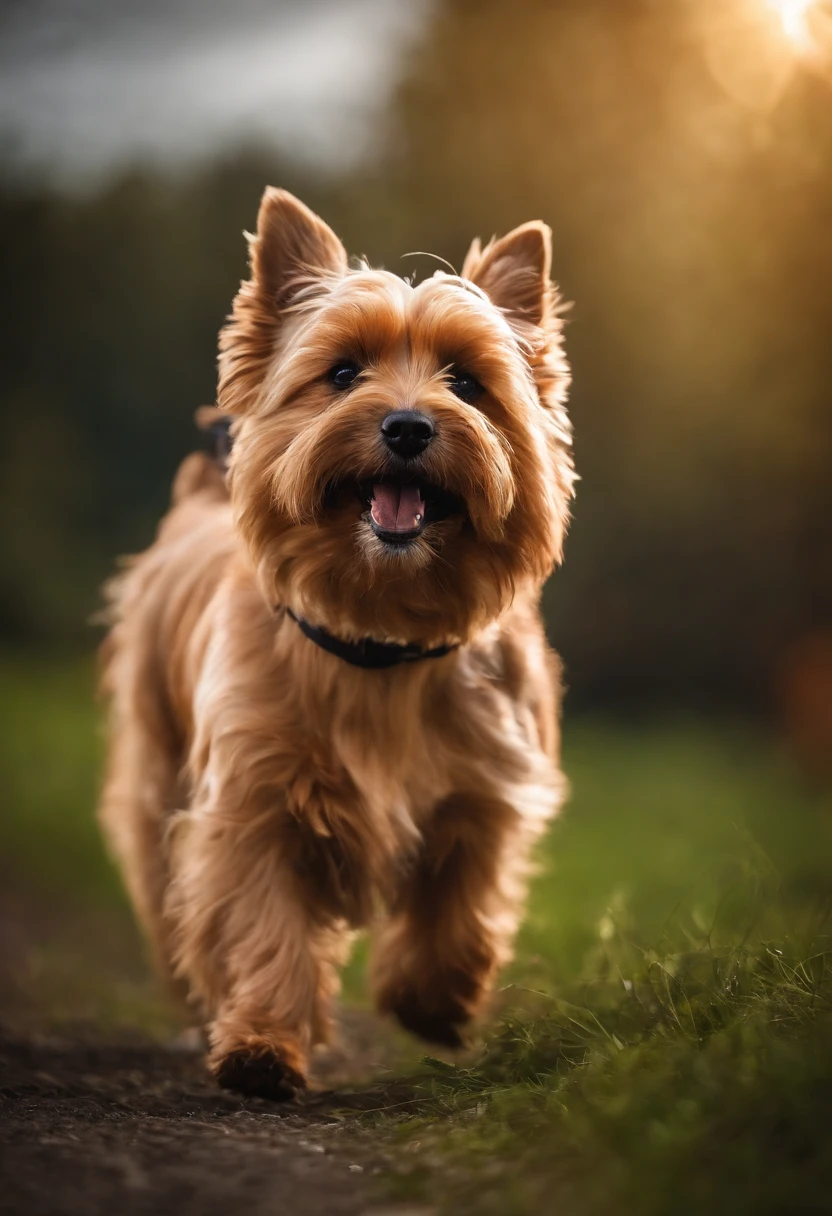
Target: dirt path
136,1128
99,1119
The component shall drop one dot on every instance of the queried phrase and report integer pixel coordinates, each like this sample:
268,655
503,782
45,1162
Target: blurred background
681,151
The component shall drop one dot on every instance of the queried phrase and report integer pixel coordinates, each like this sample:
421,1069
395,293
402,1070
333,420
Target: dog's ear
291,243
515,272
292,248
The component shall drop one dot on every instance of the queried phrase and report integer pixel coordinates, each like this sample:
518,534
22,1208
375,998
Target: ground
662,1043
136,1127
106,1105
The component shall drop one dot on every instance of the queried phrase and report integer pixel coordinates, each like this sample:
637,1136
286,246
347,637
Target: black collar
368,652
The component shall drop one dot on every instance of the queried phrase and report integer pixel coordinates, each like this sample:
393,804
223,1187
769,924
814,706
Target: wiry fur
263,797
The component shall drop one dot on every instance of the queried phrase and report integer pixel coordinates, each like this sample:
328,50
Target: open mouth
401,510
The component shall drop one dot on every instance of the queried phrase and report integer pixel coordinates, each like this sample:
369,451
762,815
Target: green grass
77,955
698,1082
663,1040
51,747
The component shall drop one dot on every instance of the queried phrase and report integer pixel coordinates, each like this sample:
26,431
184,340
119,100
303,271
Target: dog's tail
204,472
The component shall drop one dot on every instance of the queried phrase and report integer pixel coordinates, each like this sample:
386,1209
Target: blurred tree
108,343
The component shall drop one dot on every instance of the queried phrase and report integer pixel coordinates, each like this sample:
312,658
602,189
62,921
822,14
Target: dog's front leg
257,953
452,923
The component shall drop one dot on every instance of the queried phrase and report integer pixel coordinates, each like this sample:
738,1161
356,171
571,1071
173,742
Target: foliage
695,1081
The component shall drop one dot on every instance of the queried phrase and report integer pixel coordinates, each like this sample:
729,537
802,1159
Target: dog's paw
432,1027
258,1069
442,1024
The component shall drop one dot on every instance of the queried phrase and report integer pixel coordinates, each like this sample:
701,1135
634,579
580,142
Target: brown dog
332,699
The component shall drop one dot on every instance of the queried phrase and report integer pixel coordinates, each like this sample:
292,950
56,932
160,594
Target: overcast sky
87,86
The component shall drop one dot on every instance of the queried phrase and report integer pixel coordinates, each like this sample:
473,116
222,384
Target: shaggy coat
264,798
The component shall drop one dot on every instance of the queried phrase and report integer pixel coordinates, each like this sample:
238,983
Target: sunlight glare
793,16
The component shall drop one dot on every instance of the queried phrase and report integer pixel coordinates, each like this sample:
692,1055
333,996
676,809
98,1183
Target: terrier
332,701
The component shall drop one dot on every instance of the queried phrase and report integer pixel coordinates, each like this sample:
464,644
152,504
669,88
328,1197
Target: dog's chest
398,753
401,746
369,760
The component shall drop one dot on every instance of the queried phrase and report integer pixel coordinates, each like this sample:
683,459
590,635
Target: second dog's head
401,466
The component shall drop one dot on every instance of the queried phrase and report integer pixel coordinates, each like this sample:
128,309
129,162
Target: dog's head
401,465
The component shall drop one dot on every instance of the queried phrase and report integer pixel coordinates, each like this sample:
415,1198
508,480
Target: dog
332,703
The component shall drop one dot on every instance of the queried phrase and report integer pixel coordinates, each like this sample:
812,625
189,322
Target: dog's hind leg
255,950
142,784
453,921
138,797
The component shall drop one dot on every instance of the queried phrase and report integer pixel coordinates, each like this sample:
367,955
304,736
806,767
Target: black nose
407,433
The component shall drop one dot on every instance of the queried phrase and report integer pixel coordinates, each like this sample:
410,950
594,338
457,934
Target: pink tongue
397,508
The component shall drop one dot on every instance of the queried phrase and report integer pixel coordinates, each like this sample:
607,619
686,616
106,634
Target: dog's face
401,466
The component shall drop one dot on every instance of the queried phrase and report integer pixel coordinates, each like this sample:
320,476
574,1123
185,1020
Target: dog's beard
466,472
368,545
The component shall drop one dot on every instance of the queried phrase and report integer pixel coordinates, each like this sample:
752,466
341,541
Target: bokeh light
794,19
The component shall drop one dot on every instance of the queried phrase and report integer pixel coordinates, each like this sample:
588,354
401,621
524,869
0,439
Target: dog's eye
463,385
343,375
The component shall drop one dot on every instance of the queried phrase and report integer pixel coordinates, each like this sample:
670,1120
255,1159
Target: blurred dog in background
332,701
